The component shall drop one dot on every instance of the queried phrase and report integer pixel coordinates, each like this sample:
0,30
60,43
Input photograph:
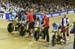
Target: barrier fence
7,16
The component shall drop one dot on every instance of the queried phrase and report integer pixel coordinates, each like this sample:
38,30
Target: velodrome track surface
14,41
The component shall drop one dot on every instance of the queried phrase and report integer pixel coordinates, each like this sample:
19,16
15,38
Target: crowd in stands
38,7
4,6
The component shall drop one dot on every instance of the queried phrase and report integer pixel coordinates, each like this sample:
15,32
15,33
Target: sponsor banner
65,12
55,14
39,15
7,15
49,15
69,12
74,11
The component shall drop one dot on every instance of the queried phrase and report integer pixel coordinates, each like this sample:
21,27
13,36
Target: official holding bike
46,27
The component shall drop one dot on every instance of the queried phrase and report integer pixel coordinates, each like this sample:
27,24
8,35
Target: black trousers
68,31
46,34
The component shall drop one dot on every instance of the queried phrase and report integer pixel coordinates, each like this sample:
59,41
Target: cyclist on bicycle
55,27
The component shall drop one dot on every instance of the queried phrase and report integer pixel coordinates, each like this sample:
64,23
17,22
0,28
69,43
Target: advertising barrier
69,12
60,13
7,15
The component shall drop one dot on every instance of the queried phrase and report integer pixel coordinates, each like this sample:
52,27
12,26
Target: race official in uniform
46,27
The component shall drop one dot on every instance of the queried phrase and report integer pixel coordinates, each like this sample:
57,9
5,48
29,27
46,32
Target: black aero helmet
54,24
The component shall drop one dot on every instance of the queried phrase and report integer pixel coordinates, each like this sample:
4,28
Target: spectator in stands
49,7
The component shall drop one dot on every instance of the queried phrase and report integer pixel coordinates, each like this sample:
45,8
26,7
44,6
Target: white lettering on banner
55,14
70,12
49,15
62,13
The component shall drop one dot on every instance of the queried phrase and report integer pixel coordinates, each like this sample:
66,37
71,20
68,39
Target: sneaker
62,40
67,39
